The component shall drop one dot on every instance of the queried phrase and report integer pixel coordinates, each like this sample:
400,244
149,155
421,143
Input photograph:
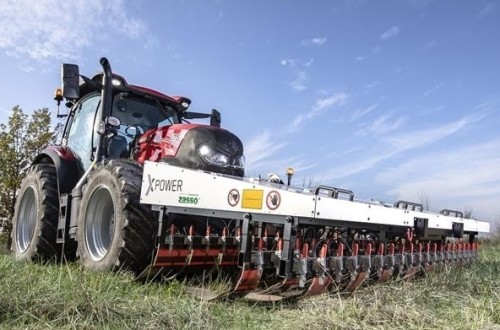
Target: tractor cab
95,130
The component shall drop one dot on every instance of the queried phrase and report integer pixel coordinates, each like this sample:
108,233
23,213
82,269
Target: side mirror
113,121
70,79
215,118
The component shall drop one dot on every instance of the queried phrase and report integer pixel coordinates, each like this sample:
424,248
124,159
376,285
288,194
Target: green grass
4,249
66,296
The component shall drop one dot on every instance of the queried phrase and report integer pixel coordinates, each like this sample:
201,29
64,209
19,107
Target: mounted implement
288,242
134,185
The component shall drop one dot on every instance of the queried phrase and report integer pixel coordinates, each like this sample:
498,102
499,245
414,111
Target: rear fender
67,169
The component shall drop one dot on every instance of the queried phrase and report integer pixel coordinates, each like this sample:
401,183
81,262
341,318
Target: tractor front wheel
114,230
34,226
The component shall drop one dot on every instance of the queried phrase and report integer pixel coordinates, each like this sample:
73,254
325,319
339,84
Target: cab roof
121,85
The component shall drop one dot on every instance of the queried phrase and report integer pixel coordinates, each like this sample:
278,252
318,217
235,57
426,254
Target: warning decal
233,197
273,200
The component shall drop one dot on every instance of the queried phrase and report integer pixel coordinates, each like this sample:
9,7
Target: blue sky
391,99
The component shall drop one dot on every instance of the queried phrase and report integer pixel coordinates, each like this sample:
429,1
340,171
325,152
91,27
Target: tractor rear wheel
114,230
34,226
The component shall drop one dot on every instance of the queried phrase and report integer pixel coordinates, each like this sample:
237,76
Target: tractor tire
34,226
115,231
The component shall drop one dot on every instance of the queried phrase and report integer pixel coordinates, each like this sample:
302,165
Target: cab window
81,137
142,112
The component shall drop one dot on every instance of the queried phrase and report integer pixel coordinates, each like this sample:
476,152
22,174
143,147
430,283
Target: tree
467,212
495,230
425,200
21,139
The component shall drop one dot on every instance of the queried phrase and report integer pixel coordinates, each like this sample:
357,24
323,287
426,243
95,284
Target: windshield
142,112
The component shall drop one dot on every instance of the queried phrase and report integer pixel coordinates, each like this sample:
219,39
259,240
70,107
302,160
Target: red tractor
83,196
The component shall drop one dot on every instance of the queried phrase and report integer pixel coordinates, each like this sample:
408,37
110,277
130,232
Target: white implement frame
188,191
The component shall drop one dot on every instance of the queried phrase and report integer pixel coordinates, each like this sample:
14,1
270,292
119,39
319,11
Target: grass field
36,296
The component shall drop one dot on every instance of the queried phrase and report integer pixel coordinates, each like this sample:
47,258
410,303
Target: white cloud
377,49
433,89
343,153
466,175
260,148
279,165
372,85
487,9
27,69
396,144
289,62
429,45
313,42
362,112
299,84
321,104
293,62
381,125
345,170
297,122
337,99
309,62
488,107
298,69
48,29
420,138
433,110
122,22
391,33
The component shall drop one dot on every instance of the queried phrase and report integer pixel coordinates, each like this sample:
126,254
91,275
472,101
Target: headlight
239,161
212,156
218,158
115,82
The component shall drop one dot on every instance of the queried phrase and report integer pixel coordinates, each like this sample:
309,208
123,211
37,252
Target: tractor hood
195,146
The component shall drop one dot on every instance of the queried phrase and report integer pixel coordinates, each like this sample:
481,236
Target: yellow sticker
252,199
